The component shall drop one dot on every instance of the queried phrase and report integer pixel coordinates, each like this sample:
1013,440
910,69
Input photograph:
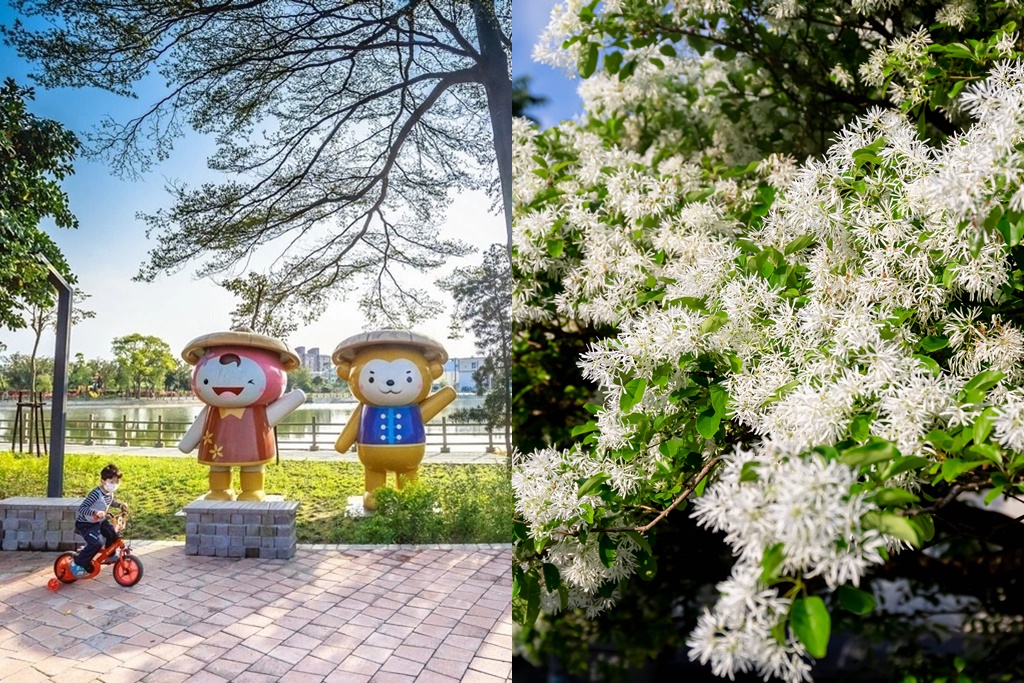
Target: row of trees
140,364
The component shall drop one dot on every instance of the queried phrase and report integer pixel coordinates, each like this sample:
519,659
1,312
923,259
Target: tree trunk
38,324
498,86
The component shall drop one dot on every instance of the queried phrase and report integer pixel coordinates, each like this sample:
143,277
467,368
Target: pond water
139,418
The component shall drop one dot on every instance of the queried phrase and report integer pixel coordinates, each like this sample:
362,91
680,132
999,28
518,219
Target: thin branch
944,501
664,513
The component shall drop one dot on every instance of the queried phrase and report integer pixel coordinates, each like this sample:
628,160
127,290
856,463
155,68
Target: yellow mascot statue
390,372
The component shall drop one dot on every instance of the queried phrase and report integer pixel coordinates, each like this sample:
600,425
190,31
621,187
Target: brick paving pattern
336,614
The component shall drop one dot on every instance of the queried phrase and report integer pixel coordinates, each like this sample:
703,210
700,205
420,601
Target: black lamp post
59,405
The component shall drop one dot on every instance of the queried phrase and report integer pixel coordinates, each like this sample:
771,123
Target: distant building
459,373
317,363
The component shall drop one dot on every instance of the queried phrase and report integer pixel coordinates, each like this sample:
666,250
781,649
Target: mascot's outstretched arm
432,405
284,406
194,433
351,431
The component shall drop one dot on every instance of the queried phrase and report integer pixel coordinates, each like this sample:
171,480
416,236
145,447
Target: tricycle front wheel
128,570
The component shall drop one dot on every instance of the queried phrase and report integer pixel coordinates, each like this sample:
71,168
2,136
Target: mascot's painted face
390,383
238,376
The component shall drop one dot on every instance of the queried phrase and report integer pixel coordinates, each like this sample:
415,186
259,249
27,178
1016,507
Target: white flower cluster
804,504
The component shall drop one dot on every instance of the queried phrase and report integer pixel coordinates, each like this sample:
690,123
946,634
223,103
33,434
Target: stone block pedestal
39,523
241,529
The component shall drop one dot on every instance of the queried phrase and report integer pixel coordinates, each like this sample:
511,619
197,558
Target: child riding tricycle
101,530
127,567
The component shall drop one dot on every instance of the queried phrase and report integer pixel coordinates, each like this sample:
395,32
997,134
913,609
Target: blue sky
529,18
110,243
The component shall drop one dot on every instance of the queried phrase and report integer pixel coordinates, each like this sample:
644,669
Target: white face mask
110,487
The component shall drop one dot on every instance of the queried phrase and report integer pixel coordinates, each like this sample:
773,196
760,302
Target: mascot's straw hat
431,349
240,336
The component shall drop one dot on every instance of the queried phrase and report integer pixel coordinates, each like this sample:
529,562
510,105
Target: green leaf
552,579
725,54
698,43
867,158
983,425
667,50
954,467
993,217
779,633
993,494
526,605
929,363
555,248
893,496
713,322
855,600
749,471
781,392
588,486
632,393
707,423
869,454
588,65
719,399
771,561
584,428
860,428
893,525
1012,231
735,363
799,243
811,623
940,439
612,62
639,539
932,344
904,464
986,451
984,381
647,568
925,527
607,548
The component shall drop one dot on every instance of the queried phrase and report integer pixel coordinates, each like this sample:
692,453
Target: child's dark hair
111,471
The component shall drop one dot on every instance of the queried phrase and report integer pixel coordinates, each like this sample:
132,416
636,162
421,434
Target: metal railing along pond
442,435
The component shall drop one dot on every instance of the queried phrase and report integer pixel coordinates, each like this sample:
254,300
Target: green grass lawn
451,503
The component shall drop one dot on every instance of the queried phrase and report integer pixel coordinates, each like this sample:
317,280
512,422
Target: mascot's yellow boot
252,484
220,484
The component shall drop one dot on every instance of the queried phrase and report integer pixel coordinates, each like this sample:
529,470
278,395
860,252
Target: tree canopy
143,361
787,237
35,154
342,129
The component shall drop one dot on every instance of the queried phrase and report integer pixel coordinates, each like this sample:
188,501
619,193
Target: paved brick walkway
330,614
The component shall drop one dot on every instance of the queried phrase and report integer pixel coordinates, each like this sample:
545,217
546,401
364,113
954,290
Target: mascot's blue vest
391,426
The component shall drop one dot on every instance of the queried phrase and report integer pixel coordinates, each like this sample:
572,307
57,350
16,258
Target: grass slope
450,504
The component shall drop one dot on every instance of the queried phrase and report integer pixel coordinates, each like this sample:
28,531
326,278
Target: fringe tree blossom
817,325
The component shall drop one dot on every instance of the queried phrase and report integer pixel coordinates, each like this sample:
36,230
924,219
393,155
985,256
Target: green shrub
406,516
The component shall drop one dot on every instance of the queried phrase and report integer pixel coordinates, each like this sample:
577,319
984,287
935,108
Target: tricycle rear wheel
62,567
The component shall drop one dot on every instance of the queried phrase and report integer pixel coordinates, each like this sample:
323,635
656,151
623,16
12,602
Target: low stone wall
39,523
241,529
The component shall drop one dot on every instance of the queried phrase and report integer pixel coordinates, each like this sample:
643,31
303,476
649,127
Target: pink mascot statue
241,377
